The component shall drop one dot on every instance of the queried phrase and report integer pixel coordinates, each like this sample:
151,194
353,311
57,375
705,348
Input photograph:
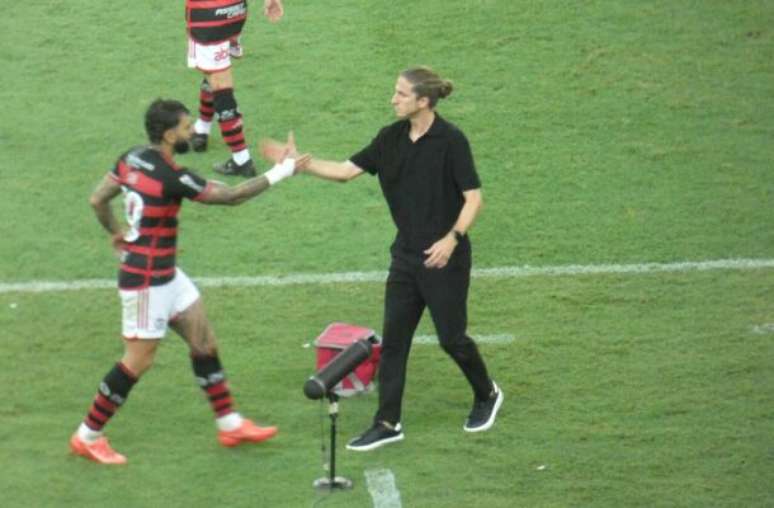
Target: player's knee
220,80
204,345
139,363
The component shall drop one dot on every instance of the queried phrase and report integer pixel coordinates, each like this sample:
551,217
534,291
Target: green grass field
604,132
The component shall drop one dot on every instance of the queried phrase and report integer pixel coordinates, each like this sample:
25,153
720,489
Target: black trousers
410,288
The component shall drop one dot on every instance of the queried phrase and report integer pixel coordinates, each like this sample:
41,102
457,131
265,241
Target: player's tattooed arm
100,200
218,193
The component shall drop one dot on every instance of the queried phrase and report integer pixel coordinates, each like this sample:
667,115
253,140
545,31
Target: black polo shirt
422,181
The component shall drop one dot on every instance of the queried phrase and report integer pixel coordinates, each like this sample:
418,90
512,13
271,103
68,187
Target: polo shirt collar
437,128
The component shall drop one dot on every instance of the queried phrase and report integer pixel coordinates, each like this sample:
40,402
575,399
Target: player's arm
100,200
218,193
274,151
331,170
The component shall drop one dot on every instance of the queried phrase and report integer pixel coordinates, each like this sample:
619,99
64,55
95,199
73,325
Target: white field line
764,329
499,338
501,272
381,486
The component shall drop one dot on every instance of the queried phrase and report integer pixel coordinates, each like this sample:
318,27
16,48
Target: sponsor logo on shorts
221,55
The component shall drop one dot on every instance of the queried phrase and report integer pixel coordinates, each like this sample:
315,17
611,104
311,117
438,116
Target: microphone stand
333,482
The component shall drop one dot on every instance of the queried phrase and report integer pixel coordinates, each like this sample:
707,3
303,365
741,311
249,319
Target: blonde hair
427,83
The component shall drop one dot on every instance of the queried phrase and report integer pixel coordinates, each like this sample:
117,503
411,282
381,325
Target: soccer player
426,171
155,294
214,27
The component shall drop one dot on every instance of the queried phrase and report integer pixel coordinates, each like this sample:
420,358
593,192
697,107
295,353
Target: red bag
339,336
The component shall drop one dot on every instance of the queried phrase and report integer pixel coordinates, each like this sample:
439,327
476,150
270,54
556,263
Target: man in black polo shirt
428,178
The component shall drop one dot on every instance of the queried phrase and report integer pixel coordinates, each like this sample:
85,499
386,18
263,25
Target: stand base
339,483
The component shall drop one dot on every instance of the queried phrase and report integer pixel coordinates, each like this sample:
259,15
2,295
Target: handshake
287,161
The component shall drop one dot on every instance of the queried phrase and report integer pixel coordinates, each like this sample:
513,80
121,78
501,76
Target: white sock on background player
241,156
202,127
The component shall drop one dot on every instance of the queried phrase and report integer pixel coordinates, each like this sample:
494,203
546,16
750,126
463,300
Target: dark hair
162,115
427,83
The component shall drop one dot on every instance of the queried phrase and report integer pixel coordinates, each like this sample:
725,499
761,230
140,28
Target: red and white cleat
248,432
98,451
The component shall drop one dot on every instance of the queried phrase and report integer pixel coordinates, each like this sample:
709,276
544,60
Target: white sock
202,127
231,421
87,434
241,156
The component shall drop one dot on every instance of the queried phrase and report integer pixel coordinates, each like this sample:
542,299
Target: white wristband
280,171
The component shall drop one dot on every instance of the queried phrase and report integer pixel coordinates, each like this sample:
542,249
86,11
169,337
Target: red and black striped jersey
154,188
215,20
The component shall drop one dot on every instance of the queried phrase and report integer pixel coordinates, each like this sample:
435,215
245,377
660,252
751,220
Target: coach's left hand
439,253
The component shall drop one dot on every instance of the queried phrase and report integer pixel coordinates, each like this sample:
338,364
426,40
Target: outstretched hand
302,161
290,145
276,151
282,155
273,10
272,150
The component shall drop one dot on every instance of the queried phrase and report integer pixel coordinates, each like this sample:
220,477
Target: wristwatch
458,236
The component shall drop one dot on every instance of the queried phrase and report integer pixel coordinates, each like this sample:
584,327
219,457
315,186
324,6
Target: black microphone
317,386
